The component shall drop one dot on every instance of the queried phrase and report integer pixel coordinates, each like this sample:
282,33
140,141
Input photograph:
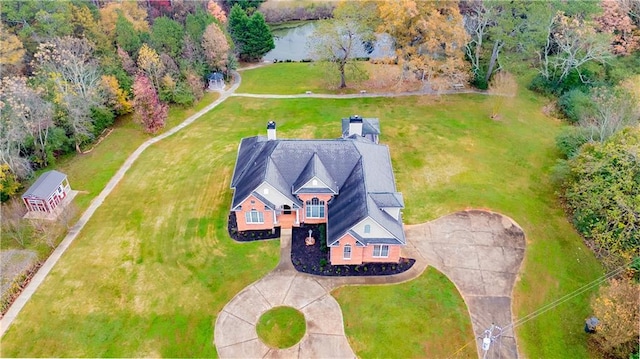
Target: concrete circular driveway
235,330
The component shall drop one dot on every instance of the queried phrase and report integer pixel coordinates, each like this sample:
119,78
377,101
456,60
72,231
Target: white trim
248,218
344,252
381,246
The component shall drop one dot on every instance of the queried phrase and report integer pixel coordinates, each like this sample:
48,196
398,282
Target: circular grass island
281,327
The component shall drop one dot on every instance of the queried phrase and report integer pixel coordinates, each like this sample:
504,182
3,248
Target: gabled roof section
274,177
348,208
315,168
45,184
262,199
370,126
388,199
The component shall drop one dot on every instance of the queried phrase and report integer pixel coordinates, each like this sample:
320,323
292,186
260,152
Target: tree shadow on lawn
314,259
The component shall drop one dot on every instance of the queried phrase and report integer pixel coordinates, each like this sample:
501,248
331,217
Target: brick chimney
355,125
271,130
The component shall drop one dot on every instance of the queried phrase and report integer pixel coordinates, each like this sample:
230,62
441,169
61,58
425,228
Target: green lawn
281,327
423,318
154,266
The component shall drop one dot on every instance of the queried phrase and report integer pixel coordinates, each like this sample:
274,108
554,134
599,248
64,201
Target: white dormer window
367,228
265,191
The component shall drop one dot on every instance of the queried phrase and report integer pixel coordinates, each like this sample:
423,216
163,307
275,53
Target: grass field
423,318
152,269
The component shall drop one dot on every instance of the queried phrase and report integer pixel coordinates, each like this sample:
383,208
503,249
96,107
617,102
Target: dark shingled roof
370,126
315,168
45,185
358,170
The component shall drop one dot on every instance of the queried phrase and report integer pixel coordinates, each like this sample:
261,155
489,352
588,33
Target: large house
347,183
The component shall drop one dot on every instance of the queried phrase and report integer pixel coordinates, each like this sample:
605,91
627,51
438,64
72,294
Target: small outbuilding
216,81
47,193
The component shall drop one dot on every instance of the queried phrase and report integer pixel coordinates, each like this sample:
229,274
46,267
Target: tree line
69,68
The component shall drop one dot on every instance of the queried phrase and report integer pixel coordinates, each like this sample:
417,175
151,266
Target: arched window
367,228
315,208
346,253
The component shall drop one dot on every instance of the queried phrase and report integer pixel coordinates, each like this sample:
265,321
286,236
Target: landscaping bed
314,259
248,236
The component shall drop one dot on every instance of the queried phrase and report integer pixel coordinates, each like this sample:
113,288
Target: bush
102,118
571,139
575,104
183,95
602,195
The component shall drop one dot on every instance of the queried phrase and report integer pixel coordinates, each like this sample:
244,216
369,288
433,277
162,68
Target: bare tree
571,43
12,224
339,41
502,87
69,63
24,116
613,109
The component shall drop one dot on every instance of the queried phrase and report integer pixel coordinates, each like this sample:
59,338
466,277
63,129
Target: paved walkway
479,251
42,273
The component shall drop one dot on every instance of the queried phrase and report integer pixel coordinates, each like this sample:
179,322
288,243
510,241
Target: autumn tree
216,11
149,63
215,46
616,307
136,15
148,110
9,184
339,41
429,37
616,21
116,97
68,64
11,52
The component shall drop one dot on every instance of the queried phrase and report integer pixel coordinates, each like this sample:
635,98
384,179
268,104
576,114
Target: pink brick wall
259,206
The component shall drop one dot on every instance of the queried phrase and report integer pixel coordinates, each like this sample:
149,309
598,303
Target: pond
291,44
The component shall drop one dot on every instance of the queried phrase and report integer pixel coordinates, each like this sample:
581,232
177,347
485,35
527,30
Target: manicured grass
283,78
152,269
281,327
296,78
423,318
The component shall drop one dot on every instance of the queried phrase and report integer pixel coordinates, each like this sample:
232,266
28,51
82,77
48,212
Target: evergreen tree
238,23
258,39
126,36
167,35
